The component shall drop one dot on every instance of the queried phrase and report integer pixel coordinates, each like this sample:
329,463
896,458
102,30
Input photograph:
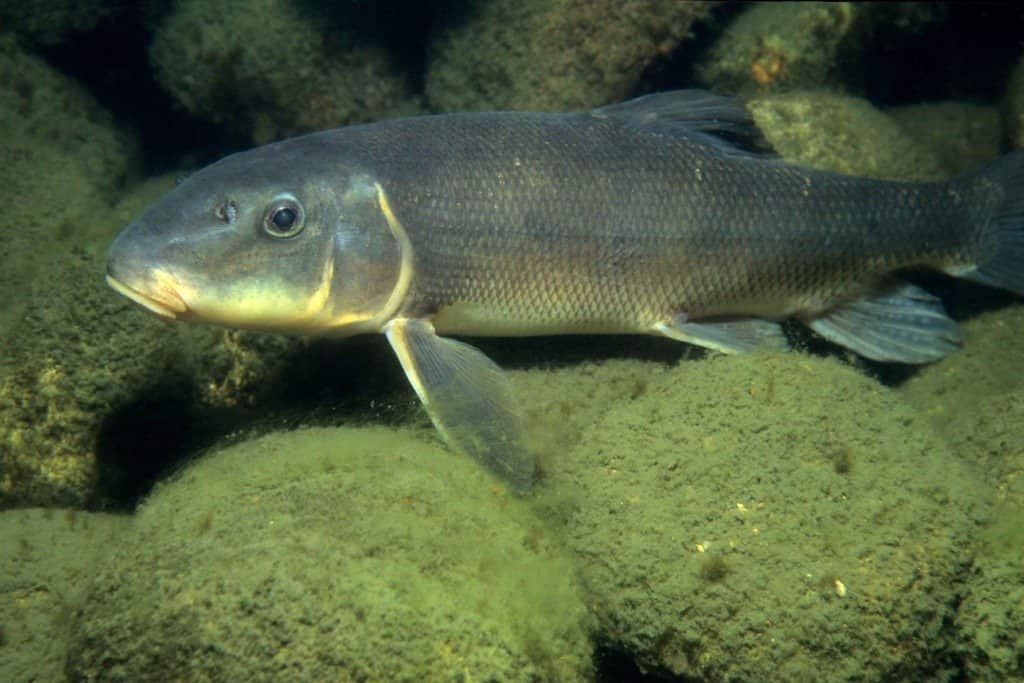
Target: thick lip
164,301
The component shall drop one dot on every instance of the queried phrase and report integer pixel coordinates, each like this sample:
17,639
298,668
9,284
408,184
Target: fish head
279,238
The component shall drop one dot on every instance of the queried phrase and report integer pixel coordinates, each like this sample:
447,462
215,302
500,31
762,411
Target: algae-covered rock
845,134
975,398
49,22
273,68
44,107
779,45
771,517
61,161
549,55
991,615
1013,106
73,362
782,46
49,558
963,135
333,554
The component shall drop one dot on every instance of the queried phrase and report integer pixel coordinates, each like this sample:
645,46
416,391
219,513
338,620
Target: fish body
656,216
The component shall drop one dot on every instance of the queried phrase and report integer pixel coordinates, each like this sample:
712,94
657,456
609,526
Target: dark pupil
284,219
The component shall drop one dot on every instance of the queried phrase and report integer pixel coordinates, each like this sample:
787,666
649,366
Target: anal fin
467,397
906,325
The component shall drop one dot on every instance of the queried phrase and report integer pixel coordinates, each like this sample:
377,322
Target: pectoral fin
467,397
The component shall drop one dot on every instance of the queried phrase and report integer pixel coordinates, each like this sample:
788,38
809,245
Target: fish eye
283,218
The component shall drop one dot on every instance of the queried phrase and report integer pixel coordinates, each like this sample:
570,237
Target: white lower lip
160,308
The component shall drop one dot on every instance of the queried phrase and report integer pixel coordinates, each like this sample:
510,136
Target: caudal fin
1000,261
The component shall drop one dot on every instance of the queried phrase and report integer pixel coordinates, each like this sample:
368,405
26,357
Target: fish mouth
161,298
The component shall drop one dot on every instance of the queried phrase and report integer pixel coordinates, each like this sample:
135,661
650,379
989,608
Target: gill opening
317,305
404,279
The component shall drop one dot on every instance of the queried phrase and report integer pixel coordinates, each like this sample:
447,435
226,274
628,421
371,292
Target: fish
664,215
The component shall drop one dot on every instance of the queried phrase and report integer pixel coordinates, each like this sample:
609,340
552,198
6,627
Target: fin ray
727,336
906,325
716,120
468,399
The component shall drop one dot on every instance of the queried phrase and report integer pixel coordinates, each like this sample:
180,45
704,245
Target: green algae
844,134
48,558
722,541
341,554
271,68
544,55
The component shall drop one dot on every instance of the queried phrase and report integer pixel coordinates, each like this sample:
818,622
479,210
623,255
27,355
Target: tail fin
1000,260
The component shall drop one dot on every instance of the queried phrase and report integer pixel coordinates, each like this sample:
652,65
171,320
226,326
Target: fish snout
154,288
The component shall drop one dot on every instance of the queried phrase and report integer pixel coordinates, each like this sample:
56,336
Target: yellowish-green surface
975,399
844,134
48,559
272,68
720,517
551,55
777,46
778,513
766,517
334,554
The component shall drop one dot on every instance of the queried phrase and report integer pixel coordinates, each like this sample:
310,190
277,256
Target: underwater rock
51,22
991,615
782,46
770,517
1013,106
963,135
845,134
975,398
334,554
43,108
274,68
78,356
49,558
544,55
778,46
62,159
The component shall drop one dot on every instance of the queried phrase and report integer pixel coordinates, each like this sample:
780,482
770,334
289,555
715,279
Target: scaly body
644,217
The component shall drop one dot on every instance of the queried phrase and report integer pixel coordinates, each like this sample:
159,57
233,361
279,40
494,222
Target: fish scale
613,217
661,215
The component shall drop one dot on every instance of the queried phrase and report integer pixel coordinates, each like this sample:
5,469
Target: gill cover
372,262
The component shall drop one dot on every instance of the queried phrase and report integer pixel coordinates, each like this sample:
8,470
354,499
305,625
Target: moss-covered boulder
771,517
1013,106
990,617
61,163
844,134
549,55
273,68
975,399
779,46
49,558
962,134
334,554
51,22
784,46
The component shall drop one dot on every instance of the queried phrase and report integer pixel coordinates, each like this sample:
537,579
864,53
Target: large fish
654,216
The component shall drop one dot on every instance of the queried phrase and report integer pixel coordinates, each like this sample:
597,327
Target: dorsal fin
720,121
